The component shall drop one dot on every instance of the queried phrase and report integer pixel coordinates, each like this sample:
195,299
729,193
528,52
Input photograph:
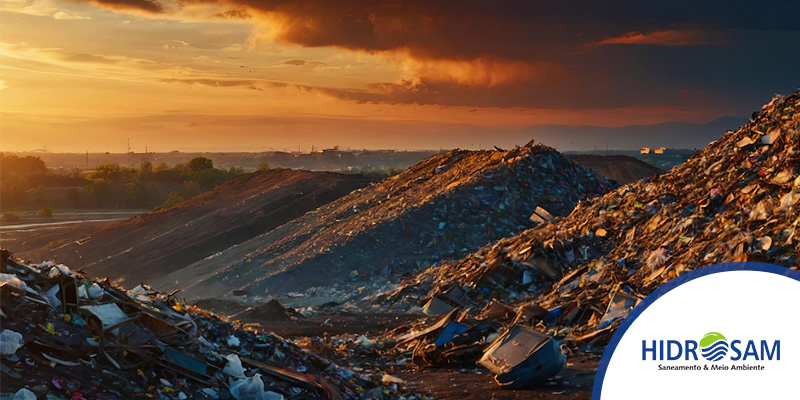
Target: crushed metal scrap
66,336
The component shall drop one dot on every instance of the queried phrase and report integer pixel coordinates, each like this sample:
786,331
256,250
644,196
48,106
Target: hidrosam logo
733,346
713,346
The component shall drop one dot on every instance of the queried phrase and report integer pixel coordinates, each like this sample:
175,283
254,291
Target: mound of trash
67,336
442,208
164,241
736,200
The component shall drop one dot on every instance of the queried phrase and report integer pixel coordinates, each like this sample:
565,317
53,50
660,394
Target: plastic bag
234,367
248,389
13,281
10,342
253,389
24,394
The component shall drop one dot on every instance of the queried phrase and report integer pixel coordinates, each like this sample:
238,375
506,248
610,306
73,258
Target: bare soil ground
44,235
167,240
448,384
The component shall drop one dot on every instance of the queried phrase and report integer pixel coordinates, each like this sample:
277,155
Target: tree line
27,183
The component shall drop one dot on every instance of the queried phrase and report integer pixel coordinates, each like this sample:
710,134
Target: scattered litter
141,343
24,394
523,357
10,342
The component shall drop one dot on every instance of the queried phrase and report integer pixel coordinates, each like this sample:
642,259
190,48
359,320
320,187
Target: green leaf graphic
711,338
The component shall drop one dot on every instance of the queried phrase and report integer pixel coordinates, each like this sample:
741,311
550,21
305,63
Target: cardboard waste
67,336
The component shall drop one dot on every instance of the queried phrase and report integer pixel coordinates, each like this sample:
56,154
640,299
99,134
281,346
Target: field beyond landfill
470,275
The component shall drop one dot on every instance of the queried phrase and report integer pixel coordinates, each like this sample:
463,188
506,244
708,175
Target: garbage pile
439,209
736,200
65,336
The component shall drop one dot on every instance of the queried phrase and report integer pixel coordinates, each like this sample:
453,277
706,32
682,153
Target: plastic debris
234,366
24,394
249,389
146,344
523,357
13,281
10,342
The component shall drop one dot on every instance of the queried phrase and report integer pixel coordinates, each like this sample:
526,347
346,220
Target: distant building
660,150
644,150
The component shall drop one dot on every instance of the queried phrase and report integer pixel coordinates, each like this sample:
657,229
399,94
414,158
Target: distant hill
621,169
157,243
682,135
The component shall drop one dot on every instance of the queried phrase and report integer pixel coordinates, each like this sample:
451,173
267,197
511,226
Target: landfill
736,200
167,240
65,336
440,209
521,309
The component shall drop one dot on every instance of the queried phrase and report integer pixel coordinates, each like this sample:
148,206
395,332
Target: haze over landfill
341,200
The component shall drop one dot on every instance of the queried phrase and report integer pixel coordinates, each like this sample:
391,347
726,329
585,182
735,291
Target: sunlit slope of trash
157,243
441,208
736,200
67,336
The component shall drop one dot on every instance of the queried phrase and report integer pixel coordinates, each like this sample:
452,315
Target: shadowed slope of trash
441,208
733,201
154,244
621,169
67,336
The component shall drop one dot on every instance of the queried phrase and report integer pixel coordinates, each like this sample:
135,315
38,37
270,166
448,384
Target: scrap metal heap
66,336
736,200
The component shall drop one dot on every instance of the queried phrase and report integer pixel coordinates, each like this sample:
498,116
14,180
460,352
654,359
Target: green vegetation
200,164
378,173
26,181
173,199
45,212
10,217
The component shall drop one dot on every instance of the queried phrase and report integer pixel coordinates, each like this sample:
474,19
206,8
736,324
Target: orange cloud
660,38
482,71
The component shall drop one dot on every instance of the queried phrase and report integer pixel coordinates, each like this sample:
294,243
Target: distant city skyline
233,75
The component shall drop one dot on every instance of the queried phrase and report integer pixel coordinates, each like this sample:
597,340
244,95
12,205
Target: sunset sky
255,75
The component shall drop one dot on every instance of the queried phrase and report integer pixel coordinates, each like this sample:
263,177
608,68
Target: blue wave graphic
716,351
716,355
719,344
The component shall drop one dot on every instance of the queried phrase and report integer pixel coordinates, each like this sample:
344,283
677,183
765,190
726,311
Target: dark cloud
518,30
226,83
84,57
541,53
735,78
150,6
237,13
296,63
358,96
